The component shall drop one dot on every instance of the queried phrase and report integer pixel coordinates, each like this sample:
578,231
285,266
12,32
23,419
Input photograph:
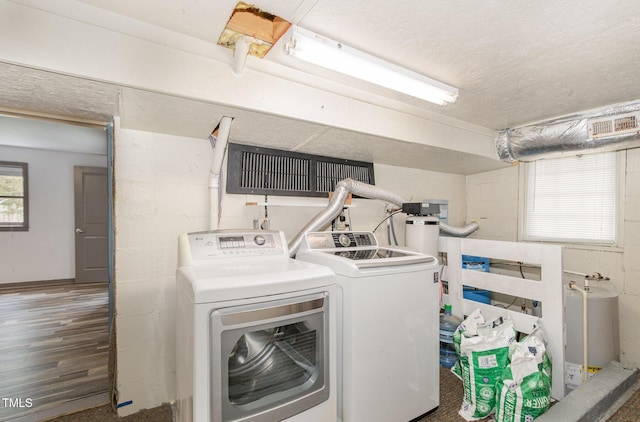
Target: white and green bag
482,361
523,393
467,328
535,344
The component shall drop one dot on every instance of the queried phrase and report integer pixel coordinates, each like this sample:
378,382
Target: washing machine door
270,359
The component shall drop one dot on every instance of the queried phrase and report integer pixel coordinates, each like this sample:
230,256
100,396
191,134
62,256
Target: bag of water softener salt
536,345
483,358
467,328
523,393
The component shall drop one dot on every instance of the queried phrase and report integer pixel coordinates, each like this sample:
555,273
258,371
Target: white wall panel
492,201
161,192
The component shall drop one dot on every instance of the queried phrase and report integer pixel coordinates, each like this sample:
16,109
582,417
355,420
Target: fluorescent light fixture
313,48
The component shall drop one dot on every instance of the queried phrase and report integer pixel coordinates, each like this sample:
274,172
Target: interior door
92,224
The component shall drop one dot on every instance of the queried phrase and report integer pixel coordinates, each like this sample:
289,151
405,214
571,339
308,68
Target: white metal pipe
216,169
224,128
240,54
595,276
585,326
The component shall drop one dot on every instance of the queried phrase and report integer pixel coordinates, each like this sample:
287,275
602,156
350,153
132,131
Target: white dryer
255,333
388,311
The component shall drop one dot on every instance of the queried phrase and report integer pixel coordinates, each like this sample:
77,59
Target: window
14,209
572,199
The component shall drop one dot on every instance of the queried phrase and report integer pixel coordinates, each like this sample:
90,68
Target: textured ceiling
50,93
514,62
60,95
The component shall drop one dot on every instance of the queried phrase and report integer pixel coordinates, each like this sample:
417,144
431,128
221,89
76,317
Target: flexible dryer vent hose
459,231
336,204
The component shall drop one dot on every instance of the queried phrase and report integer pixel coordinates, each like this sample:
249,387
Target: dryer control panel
211,245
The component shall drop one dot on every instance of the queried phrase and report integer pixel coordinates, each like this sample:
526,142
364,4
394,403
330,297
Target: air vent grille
599,128
614,125
260,171
626,123
329,173
255,170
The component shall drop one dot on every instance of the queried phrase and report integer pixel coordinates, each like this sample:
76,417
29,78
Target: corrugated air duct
346,186
609,129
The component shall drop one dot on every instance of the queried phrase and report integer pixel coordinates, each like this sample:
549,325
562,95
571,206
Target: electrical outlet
261,223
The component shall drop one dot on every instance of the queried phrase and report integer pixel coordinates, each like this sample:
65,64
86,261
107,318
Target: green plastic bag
523,392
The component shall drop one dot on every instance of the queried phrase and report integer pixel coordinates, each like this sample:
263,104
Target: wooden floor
54,347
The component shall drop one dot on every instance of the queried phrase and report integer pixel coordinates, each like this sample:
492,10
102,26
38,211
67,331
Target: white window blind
572,199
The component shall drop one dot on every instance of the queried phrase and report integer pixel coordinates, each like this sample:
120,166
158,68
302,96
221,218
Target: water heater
422,233
603,343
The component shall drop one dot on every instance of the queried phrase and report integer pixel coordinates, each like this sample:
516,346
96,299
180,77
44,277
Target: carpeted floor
107,414
450,400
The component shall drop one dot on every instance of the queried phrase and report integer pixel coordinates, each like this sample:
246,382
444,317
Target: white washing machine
388,311
256,331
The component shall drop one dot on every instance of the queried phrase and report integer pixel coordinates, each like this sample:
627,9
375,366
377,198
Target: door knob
79,231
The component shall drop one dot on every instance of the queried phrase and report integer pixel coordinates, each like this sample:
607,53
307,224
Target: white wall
492,199
415,185
161,192
630,265
46,250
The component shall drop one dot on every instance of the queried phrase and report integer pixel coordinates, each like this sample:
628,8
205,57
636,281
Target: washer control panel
229,243
333,240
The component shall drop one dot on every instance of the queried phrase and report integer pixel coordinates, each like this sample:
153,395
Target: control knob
344,240
259,239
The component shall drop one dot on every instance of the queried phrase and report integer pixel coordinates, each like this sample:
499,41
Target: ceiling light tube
313,48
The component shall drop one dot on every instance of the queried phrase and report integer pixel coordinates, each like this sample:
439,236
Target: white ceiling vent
614,125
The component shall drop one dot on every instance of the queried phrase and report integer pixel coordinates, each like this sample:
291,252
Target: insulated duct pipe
336,204
571,135
459,231
219,149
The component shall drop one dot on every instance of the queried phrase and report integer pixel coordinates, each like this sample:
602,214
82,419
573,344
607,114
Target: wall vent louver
266,171
614,125
328,173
